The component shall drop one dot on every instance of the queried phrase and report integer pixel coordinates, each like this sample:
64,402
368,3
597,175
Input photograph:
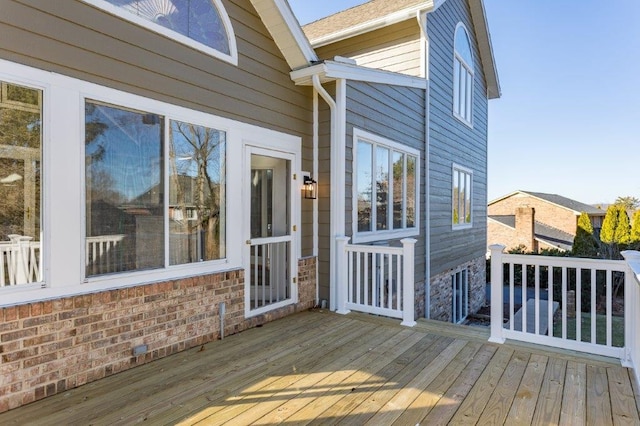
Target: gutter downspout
422,22
315,79
315,202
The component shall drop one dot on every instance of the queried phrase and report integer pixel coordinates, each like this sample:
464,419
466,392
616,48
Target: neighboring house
152,160
538,221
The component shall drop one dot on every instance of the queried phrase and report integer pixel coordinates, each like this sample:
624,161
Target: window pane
382,188
196,19
463,46
124,189
364,182
196,193
455,197
411,192
20,183
467,200
398,193
456,86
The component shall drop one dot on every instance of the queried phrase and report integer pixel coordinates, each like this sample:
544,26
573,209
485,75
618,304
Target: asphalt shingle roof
567,203
541,231
356,15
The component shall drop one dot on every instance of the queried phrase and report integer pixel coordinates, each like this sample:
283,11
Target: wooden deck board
526,397
324,368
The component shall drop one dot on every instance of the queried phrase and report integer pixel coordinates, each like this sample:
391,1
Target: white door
270,263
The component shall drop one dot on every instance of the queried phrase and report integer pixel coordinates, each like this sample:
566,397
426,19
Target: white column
497,304
408,282
342,283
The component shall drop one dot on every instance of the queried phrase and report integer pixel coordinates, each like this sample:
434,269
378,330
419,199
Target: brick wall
48,347
547,213
441,290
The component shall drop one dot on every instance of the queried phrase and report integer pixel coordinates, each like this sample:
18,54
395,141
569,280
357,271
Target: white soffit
331,70
286,32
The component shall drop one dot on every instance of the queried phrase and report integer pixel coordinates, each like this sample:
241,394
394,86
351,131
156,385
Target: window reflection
197,19
196,193
20,184
124,189
364,182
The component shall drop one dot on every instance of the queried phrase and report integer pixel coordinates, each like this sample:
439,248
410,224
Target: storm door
269,272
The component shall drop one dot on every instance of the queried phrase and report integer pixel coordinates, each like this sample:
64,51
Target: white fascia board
479,17
330,70
286,32
384,21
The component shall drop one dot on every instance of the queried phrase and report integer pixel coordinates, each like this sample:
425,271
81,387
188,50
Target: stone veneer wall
51,346
441,291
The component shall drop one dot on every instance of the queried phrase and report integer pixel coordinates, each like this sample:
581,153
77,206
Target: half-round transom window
204,22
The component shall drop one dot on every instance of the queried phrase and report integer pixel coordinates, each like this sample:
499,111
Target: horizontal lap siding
395,113
394,48
451,141
78,40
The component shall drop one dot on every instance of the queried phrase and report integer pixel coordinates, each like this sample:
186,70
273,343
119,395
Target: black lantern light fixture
309,188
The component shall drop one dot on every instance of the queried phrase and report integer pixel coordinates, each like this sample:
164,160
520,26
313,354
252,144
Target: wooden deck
319,367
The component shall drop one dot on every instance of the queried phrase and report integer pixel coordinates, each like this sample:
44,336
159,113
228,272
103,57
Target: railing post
497,303
408,282
343,275
631,311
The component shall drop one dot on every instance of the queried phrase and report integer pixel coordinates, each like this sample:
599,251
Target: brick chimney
525,222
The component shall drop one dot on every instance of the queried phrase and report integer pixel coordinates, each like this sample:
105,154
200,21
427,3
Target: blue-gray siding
451,141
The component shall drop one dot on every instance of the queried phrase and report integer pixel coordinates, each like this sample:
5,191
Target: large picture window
126,206
202,24
462,76
20,184
385,196
461,197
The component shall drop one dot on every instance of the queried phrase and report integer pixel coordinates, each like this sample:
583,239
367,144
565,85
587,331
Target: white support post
408,282
342,274
631,312
497,303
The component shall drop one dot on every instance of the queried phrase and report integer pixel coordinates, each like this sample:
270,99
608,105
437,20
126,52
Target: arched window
462,75
201,24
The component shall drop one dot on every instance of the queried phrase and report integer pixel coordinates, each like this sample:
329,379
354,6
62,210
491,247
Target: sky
568,120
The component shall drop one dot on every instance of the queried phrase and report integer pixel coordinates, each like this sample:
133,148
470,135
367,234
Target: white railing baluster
550,301
523,296
578,304
609,297
593,306
564,303
536,270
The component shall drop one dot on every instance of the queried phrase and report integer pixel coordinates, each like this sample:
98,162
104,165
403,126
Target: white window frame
463,111
460,308
232,57
369,236
456,168
63,186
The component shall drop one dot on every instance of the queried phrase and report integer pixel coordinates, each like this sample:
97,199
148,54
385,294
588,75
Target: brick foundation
49,347
441,291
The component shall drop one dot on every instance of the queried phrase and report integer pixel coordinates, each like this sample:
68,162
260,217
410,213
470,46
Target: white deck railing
20,261
564,302
104,254
376,279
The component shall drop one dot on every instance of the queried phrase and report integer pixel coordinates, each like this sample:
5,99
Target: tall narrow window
20,184
385,195
459,296
202,24
463,76
461,197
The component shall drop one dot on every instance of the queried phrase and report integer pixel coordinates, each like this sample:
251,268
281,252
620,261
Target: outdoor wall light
309,188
